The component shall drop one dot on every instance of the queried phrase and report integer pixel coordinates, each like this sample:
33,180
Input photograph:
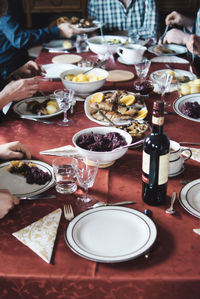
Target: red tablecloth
173,268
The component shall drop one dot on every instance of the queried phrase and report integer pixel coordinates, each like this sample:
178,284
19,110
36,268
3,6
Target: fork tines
68,212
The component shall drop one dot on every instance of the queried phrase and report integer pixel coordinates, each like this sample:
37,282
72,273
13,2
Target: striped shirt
140,15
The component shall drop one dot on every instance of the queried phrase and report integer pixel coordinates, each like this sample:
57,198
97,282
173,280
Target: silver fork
68,212
160,41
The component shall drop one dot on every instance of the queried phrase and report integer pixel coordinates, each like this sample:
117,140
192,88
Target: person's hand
7,202
68,30
30,69
14,150
20,89
175,18
176,36
193,44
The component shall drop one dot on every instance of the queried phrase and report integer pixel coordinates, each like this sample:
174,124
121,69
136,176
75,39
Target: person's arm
14,150
19,37
18,90
175,18
7,202
176,36
193,44
28,70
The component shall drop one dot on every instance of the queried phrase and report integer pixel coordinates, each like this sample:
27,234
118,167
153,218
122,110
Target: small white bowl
105,158
97,45
84,88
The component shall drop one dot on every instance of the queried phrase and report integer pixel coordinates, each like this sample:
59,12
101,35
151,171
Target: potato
51,109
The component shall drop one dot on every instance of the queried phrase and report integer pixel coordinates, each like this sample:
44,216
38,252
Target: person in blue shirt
15,39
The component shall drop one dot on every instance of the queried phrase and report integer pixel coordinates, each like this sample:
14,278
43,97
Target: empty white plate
110,234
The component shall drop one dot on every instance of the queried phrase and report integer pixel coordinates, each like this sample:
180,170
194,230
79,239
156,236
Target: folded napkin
40,235
66,150
169,59
195,153
197,231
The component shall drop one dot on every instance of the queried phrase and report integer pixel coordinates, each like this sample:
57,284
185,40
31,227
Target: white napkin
169,59
197,231
40,235
66,150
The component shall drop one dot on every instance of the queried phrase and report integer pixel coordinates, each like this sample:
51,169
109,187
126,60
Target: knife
59,154
35,197
58,51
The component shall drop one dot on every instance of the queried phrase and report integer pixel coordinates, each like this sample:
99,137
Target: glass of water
81,43
64,169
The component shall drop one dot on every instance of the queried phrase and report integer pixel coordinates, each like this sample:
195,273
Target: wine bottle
155,160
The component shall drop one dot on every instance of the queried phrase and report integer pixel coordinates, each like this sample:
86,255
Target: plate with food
38,107
179,76
120,106
189,198
82,24
167,49
60,44
188,106
26,177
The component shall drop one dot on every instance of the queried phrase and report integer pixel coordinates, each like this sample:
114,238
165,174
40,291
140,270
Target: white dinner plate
104,123
189,198
178,50
17,185
20,107
178,103
53,70
110,234
178,73
57,44
96,26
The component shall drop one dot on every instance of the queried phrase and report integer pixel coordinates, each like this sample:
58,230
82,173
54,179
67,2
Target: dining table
172,268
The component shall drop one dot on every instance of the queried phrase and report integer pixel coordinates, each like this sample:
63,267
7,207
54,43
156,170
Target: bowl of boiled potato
84,83
190,87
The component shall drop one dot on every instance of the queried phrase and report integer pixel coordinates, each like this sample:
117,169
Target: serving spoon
128,145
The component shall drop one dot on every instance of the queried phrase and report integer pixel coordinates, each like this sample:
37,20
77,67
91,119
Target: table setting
100,242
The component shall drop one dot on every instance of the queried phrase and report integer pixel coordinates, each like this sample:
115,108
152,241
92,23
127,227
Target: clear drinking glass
64,169
64,98
142,68
81,43
86,174
163,82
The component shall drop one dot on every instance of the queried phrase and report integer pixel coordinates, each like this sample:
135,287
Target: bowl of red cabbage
98,143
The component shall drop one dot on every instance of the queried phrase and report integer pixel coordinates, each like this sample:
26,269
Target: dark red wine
155,160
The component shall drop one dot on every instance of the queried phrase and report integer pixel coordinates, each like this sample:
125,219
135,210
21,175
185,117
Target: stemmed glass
64,98
86,173
143,86
163,82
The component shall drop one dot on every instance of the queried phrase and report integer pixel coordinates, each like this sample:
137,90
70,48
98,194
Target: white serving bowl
98,46
105,158
84,88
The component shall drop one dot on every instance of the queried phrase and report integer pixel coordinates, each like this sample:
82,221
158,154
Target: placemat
66,58
119,76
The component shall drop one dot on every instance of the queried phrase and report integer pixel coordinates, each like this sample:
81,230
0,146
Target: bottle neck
157,124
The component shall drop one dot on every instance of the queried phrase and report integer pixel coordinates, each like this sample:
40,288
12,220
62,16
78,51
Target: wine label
159,121
163,165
